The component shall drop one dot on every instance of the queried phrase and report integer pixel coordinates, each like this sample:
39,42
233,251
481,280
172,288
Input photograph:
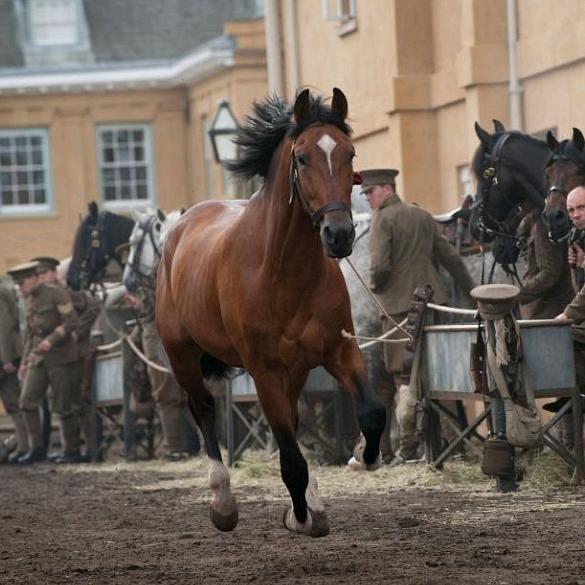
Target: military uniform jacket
10,342
547,288
404,241
87,309
50,315
576,311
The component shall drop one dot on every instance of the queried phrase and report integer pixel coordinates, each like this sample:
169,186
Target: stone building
110,101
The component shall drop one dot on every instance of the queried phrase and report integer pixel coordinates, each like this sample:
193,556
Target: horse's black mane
264,129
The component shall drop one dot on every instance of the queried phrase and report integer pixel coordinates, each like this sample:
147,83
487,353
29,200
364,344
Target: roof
134,30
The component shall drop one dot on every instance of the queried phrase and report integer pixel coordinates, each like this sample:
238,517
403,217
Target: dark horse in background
255,284
512,183
96,244
509,167
565,171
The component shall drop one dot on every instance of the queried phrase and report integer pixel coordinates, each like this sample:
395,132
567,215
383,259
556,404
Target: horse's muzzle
337,235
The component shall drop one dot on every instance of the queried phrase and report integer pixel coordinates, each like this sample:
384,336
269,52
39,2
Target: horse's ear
302,106
484,137
339,103
578,139
498,126
160,214
93,209
552,142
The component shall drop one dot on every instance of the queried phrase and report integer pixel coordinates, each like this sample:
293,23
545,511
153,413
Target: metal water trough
548,350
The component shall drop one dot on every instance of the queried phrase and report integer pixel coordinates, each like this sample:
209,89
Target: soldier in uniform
87,309
404,244
547,287
49,358
10,354
170,398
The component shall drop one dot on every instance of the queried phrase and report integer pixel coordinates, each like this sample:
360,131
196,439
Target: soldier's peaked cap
373,177
22,271
46,263
495,300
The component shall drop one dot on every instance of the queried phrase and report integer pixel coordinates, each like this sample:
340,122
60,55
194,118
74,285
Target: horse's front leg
307,514
347,366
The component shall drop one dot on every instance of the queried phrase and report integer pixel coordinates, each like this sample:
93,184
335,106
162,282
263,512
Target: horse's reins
295,191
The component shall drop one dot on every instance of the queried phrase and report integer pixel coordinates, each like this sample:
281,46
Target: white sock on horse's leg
224,512
312,495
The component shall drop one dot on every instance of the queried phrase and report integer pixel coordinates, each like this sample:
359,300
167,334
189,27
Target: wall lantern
222,133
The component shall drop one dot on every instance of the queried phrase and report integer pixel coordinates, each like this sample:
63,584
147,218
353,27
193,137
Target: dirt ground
148,522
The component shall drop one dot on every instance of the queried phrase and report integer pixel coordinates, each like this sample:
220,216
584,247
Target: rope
109,346
377,302
126,338
455,310
374,340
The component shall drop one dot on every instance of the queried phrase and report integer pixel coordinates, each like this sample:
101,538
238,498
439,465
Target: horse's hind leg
347,367
307,514
185,359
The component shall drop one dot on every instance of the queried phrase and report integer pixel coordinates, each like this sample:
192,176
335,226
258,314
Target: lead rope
398,326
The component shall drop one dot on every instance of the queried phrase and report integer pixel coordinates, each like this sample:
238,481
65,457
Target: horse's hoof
320,526
224,523
315,526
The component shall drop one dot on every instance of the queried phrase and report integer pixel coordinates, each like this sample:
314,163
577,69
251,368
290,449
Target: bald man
576,211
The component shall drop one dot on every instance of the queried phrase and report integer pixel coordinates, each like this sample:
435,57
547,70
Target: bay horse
255,284
565,171
95,245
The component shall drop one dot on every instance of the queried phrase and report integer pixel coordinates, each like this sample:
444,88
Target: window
338,10
464,180
24,171
125,165
54,22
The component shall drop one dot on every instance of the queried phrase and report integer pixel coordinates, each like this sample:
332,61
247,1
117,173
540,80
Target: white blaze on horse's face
327,144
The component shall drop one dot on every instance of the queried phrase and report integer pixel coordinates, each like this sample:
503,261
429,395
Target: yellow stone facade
182,174
419,73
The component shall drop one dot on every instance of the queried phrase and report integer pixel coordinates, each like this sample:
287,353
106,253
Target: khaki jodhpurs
168,395
10,395
406,396
63,381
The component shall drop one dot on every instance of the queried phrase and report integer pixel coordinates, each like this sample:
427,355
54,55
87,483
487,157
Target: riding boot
20,432
32,421
407,416
171,418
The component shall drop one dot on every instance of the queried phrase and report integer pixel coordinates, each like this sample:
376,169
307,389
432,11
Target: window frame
123,204
32,30
32,209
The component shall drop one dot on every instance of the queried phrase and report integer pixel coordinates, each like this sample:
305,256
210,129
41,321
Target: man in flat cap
87,309
49,358
404,244
10,354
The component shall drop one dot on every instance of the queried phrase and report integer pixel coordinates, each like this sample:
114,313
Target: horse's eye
302,160
157,227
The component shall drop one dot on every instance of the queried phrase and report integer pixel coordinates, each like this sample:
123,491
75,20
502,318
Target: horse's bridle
489,167
295,191
147,228
561,156
94,243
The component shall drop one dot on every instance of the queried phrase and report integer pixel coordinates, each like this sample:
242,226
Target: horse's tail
211,367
